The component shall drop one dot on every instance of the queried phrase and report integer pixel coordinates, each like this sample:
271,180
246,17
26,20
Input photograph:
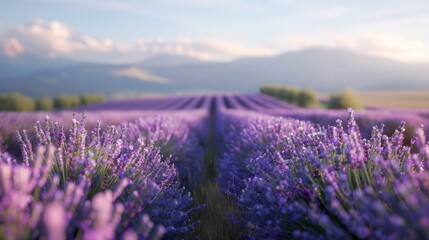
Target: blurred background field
396,99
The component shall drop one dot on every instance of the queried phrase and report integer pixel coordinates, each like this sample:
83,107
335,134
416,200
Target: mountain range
323,69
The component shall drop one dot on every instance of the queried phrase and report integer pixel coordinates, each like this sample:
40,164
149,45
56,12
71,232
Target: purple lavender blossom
296,180
92,184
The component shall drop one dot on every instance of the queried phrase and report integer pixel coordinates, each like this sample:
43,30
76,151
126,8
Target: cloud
52,39
55,39
205,49
393,46
13,48
386,45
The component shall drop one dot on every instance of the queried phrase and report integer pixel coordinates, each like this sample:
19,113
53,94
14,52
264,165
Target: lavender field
220,166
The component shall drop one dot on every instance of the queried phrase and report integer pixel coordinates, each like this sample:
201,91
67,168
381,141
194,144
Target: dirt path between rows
215,223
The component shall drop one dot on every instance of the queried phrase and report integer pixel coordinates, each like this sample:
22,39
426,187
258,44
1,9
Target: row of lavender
154,104
112,112
117,111
130,181
255,102
294,180
366,118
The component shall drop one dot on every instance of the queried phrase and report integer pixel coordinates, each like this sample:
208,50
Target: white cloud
206,49
13,48
54,39
392,46
386,45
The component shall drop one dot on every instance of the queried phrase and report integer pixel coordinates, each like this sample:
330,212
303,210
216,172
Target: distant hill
83,78
34,76
318,68
323,69
24,65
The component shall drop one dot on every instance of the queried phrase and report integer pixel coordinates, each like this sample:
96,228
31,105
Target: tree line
19,102
308,98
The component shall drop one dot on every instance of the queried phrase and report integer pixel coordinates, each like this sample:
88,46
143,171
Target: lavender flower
95,184
296,180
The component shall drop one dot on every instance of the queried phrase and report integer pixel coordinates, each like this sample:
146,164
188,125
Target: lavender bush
15,121
366,118
91,185
295,180
246,134
179,138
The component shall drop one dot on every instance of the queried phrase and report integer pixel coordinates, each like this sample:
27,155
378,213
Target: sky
212,30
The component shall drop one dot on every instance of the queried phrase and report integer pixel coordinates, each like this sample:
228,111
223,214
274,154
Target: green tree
307,98
66,101
17,102
91,98
270,90
44,104
3,103
289,94
347,99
